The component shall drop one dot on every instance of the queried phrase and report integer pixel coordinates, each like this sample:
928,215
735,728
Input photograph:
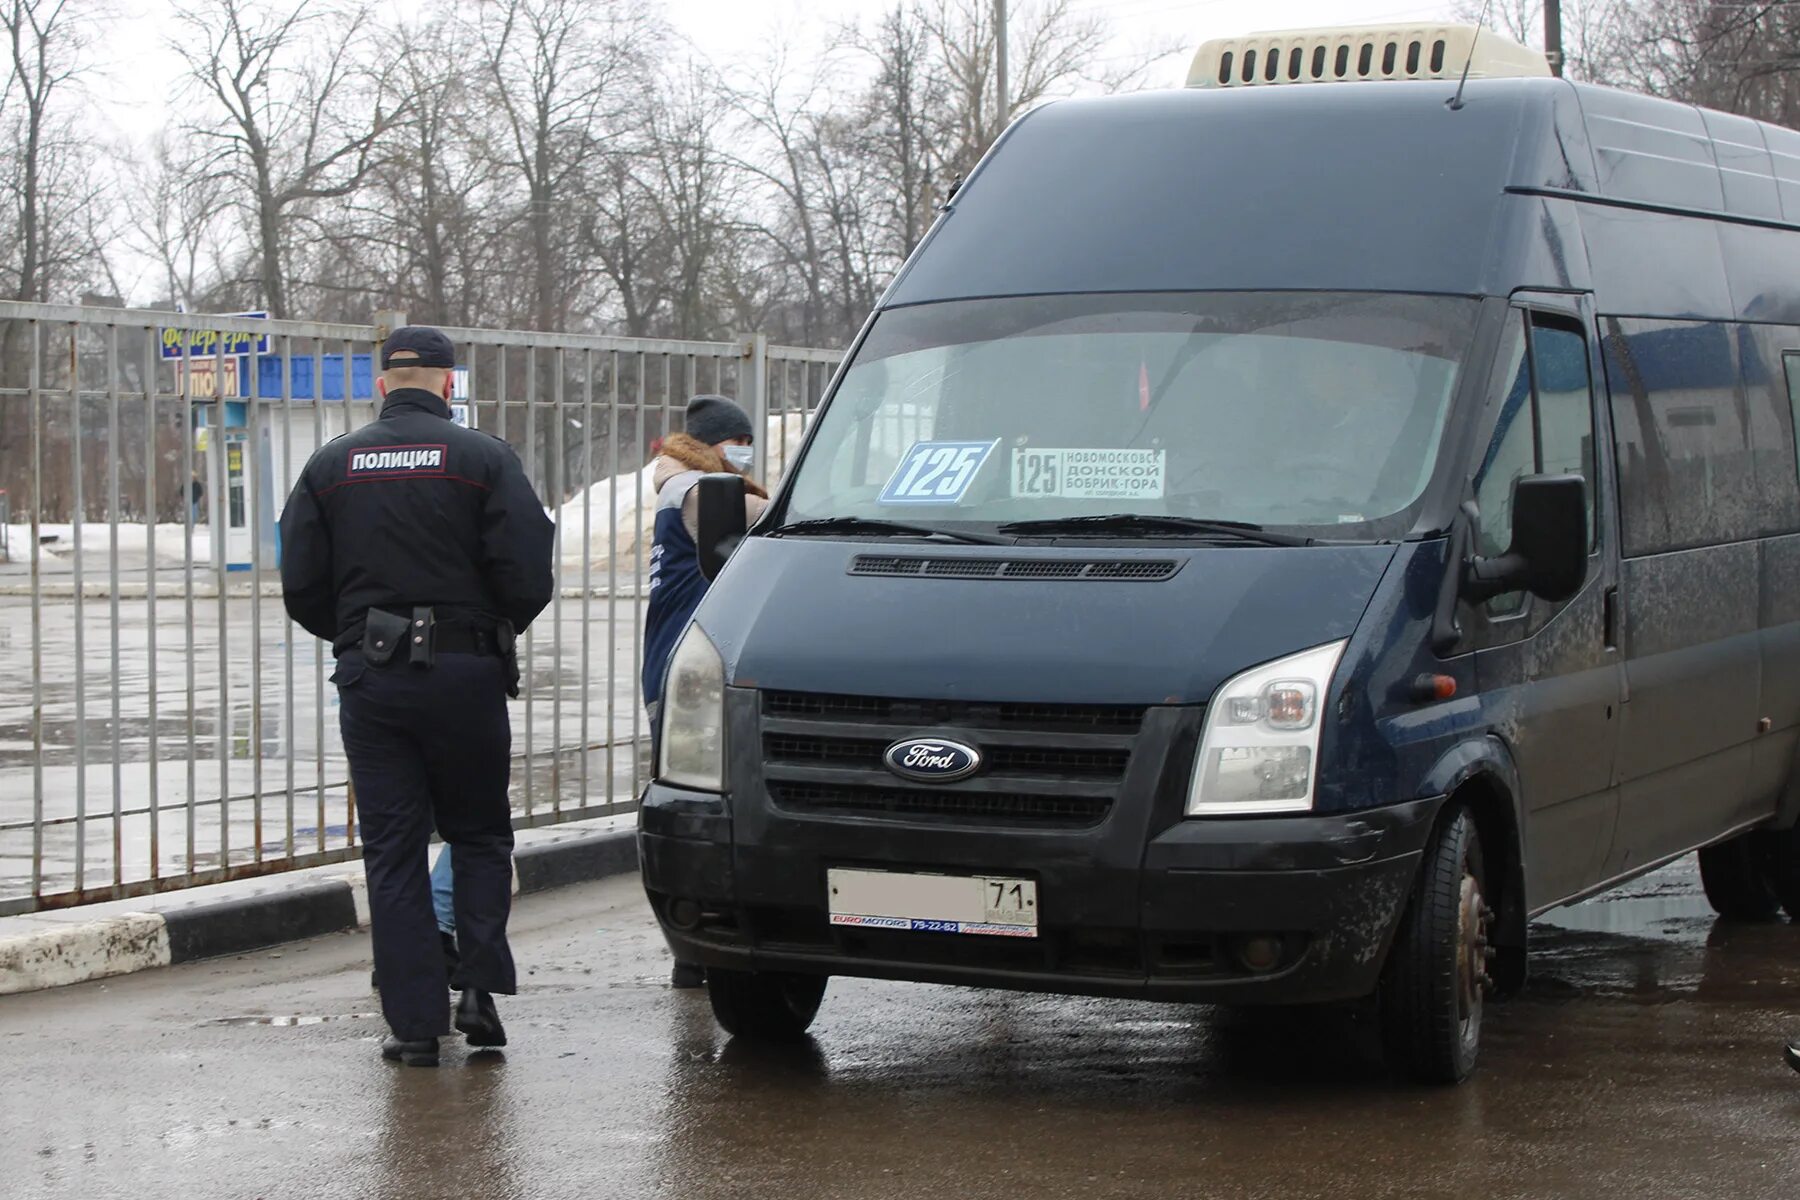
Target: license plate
991,905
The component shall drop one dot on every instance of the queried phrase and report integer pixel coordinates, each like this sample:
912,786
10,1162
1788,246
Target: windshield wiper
1155,523
873,525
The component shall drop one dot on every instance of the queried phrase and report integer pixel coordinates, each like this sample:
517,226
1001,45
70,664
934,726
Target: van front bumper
1327,891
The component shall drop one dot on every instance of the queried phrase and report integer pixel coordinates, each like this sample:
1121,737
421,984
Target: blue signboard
209,343
331,377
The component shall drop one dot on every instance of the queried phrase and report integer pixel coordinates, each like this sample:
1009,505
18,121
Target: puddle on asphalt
294,1019
1642,916
1656,947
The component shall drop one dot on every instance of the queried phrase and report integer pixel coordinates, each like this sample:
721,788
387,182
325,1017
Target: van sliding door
1691,583
1771,378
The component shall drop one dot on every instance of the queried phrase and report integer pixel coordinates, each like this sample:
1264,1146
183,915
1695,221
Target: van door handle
1610,603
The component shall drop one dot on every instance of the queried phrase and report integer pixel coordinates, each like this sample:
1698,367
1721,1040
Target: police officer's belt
418,636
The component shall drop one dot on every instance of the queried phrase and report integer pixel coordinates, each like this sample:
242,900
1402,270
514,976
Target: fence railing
177,729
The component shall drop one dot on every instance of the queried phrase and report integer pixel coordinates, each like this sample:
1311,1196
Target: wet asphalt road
1641,1062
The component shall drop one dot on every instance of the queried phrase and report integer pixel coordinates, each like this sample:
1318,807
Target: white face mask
740,457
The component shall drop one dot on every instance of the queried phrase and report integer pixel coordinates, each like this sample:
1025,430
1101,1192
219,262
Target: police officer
420,551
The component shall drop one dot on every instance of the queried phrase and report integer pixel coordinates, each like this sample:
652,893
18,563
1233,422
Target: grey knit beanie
714,419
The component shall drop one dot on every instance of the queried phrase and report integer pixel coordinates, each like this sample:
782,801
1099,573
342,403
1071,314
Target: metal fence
162,723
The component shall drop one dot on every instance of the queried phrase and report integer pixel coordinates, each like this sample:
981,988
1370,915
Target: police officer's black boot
687,975
422,1052
1793,1054
479,1020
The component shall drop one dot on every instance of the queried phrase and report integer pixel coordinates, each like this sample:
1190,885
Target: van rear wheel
1435,986
1736,875
768,1006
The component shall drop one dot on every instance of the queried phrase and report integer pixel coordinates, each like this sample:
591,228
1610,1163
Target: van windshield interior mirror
1549,552
721,520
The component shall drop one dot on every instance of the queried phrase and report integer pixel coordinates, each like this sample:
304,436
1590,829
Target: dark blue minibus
1268,544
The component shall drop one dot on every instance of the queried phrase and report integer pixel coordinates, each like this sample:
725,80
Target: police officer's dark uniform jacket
418,511
419,550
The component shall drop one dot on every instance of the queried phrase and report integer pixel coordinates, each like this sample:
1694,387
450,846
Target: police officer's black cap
431,347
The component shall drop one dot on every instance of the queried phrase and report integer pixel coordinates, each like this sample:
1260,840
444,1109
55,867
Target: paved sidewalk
52,949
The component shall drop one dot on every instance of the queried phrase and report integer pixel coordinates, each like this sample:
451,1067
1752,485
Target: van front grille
1075,811
876,710
1042,765
1023,760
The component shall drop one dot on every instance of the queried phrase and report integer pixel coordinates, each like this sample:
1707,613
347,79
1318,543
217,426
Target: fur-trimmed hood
683,453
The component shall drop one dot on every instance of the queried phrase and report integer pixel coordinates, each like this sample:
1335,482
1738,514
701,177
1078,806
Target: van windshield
1305,410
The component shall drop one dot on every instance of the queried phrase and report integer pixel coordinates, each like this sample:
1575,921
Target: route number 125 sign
936,472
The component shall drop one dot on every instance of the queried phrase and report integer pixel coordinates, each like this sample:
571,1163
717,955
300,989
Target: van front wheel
1738,882
764,1005
1435,986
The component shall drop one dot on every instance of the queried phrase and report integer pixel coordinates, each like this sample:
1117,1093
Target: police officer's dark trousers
431,746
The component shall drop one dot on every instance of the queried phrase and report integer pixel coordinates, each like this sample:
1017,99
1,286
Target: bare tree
1590,30
46,42
55,206
1742,56
900,129
178,223
848,190
296,117
695,193
625,237
421,235
856,268
1051,46
787,120
561,74
561,171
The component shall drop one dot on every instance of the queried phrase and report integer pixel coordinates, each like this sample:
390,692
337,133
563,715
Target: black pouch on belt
383,635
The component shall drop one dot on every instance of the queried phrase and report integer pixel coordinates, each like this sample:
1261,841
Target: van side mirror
1549,552
721,520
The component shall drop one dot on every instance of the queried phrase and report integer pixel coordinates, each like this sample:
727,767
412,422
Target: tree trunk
268,231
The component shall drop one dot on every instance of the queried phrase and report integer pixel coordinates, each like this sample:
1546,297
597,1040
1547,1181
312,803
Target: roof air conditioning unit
1366,53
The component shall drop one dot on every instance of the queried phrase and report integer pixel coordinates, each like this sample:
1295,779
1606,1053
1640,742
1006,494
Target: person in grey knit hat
717,436
716,421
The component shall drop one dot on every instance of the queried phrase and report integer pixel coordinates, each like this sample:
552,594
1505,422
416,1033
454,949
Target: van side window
1565,407
1790,366
1687,476
1770,384
1545,426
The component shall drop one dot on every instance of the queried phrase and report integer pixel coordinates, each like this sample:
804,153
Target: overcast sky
134,91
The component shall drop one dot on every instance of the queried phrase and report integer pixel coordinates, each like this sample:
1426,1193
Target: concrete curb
68,952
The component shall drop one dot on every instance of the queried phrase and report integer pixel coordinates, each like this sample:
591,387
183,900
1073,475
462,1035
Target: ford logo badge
932,760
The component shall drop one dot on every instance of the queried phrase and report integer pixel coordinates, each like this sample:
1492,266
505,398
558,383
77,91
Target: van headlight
1261,743
693,715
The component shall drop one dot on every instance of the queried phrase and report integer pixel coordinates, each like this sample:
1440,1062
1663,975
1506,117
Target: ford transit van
1273,538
